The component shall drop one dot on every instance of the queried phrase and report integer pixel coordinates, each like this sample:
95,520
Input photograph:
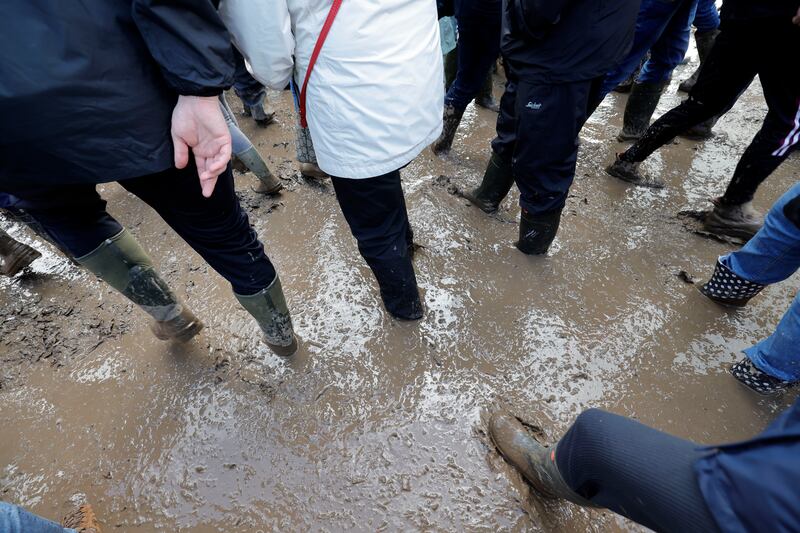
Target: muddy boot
262,117
629,171
705,42
536,232
122,263
268,183
756,380
740,221
82,520
729,289
640,107
485,98
534,461
14,255
450,122
497,181
311,170
398,286
269,309
702,131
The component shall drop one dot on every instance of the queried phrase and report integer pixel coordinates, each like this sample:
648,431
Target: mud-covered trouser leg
478,48
375,210
654,18
707,17
636,471
15,519
549,118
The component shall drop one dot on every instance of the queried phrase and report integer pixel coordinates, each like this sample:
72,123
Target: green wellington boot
641,104
269,184
14,255
494,187
536,232
122,263
535,462
269,309
450,122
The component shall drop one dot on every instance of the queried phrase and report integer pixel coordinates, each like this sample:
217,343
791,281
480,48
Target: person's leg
706,22
485,97
218,229
706,17
15,519
375,210
250,92
450,67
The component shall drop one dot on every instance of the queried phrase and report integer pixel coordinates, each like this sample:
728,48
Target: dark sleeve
535,18
189,42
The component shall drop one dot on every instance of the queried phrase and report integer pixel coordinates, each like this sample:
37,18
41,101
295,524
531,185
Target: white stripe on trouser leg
792,138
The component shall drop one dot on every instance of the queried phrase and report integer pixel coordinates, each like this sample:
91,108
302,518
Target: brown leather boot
14,255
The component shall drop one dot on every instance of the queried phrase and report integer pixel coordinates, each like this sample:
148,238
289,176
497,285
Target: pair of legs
610,461
537,147
250,92
742,50
74,217
770,257
15,519
375,210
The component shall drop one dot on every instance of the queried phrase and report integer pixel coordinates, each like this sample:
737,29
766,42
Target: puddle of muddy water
379,425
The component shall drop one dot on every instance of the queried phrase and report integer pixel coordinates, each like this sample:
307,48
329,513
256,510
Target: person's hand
796,18
198,124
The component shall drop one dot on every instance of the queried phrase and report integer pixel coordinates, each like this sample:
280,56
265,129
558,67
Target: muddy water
380,425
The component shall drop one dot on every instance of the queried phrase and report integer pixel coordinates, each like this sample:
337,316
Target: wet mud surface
375,424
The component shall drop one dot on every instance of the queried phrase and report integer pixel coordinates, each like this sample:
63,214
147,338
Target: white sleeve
262,31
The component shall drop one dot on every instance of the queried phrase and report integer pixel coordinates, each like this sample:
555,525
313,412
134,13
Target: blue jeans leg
15,519
707,17
777,354
670,47
478,48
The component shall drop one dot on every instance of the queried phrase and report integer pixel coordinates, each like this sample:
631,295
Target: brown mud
377,424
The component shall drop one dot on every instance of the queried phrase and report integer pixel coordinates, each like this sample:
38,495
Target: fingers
181,150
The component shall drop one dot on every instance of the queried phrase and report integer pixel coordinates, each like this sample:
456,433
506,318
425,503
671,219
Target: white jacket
374,100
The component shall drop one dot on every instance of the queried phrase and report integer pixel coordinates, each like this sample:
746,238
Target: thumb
181,150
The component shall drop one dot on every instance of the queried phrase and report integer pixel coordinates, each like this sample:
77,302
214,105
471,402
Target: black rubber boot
398,285
536,232
494,187
450,122
728,288
14,255
121,262
641,104
705,42
757,380
629,171
534,461
485,98
269,309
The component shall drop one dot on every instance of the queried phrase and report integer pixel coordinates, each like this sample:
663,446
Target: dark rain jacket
755,485
87,87
556,41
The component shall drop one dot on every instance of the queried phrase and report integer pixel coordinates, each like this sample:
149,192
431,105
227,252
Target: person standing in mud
372,74
756,38
556,56
127,91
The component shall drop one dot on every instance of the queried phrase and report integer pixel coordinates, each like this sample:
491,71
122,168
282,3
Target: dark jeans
375,210
537,130
706,18
247,88
741,51
75,218
478,48
635,471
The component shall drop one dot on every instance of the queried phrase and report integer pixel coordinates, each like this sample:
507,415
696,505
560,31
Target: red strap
317,48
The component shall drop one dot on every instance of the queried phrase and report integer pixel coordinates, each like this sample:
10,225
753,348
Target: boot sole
21,262
278,188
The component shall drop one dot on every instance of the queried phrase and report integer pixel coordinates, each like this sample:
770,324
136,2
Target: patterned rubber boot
729,289
754,379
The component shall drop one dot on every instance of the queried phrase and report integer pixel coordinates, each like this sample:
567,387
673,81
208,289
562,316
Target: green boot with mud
14,255
629,171
642,102
741,221
121,262
534,461
268,183
450,122
536,232
269,309
494,187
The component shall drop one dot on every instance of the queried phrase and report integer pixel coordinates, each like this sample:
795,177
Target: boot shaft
268,307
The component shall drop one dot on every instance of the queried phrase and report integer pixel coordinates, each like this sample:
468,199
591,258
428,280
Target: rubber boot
705,42
269,309
82,520
629,171
494,187
262,117
485,98
14,255
121,262
450,122
728,288
268,183
641,104
398,285
534,461
757,380
741,221
536,232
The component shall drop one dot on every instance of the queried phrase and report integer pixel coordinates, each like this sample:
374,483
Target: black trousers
375,210
742,50
636,471
538,131
74,217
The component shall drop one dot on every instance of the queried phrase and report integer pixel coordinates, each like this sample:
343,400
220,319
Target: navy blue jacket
87,87
755,485
556,41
